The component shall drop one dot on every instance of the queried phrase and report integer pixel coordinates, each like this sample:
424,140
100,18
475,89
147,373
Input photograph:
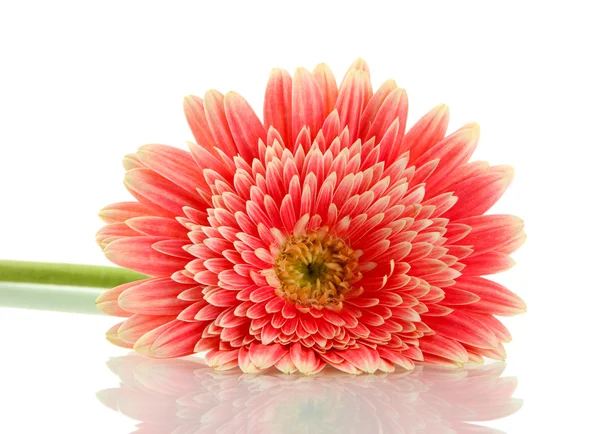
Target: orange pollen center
316,270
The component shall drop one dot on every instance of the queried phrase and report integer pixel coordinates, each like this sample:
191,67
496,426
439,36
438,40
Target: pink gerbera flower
323,235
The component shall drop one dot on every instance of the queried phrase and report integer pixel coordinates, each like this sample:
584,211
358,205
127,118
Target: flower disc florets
316,269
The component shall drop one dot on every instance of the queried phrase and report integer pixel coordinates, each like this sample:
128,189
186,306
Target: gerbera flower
323,235
174,396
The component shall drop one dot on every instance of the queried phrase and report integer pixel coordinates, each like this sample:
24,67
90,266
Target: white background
84,83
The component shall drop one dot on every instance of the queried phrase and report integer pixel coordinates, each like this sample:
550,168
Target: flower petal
304,358
245,363
193,108
396,357
476,195
265,356
121,211
453,151
444,347
395,106
214,109
364,358
326,81
285,364
463,327
494,298
485,264
136,253
373,107
307,103
158,226
491,232
278,105
154,297
160,194
174,339
173,164
138,325
352,99
246,128
428,131
107,301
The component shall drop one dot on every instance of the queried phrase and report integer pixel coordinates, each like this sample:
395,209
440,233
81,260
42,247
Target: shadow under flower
184,396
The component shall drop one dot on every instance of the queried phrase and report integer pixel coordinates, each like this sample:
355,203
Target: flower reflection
185,396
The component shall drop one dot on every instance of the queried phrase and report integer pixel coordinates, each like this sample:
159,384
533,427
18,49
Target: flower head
324,235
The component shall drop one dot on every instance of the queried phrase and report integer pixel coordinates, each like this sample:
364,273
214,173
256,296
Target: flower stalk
66,274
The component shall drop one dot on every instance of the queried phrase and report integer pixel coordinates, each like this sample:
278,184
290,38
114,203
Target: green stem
66,274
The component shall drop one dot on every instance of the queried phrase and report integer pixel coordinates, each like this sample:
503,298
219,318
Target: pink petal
453,151
494,298
217,359
326,81
245,363
498,353
386,366
265,356
112,232
157,226
428,131
190,312
268,334
285,364
154,297
394,107
485,264
373,107
456,232
174,339
307,103
205,159
246,128
173,164
454,296
396,357
304,358
208,312
107,301
463,327
113,337
173,248
476,195
278,105
352,99
275,305
462,173
193,108
138,325
214,108
494,324
491,232
364,358
159,194
222,298
136,253
444,347
131,161
121,211
346,367
436,310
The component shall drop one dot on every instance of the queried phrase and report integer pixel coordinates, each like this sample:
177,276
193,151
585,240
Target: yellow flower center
316,269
